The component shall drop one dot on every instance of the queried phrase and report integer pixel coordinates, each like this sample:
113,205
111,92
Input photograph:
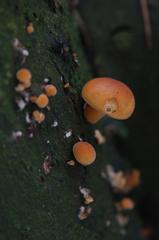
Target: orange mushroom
50,90
126,204
33,98
107,96
38,116
133,179
42,101
30,28
84,153
24,76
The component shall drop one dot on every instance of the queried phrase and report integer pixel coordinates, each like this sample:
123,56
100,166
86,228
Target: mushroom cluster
24,77
107,96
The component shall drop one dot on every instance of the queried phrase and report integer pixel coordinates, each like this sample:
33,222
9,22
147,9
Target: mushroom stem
111,106
91,114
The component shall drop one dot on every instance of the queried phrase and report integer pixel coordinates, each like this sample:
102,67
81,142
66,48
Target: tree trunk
34,204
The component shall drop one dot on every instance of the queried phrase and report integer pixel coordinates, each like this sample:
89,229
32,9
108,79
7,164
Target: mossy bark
34,205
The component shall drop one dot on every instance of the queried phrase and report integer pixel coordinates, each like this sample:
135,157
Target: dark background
117,46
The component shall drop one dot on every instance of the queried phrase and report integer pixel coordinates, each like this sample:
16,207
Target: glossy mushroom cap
84,153
42,101
24,76
38,116
127,203
109,96
50,90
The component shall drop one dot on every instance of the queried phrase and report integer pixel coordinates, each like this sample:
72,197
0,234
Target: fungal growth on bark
84,153
50,90
24,76
107,96
42,101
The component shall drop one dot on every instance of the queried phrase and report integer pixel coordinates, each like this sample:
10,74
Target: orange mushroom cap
42,101
33,98
84,153
24,76
109,96
50,90
127,203
133,179
38,116
30,28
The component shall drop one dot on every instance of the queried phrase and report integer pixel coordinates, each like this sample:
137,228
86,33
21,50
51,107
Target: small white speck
108,223
48,141
68,134
16,134
31,135
21,104
27,118
80,139
25,52
46,80
55,124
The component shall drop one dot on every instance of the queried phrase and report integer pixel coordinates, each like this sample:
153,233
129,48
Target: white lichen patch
116,179
20,103
16,135
71,163
99,137
47,164
84,212
68,133
55,124
27,118
86,195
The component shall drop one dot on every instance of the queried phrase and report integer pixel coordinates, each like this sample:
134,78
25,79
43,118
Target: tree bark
35,205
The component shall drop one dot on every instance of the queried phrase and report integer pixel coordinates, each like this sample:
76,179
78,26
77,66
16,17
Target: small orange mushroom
126,204
107,96
38,116
133,179
24,76
30,28
84,153
42,101
50,90
33,98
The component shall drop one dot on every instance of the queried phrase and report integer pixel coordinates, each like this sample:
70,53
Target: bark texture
34,205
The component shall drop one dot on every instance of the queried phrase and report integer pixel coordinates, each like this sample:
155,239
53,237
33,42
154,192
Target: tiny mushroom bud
84,153
50,90
42,101
19,88
133,179
71,163
24,76
33,98
127,204
30,28
38,116
107,96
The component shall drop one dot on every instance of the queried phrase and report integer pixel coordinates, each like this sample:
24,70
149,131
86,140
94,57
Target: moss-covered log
35,205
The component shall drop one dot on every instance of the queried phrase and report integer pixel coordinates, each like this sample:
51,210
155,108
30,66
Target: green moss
35,206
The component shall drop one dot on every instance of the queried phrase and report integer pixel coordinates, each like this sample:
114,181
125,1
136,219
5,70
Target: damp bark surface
35,205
